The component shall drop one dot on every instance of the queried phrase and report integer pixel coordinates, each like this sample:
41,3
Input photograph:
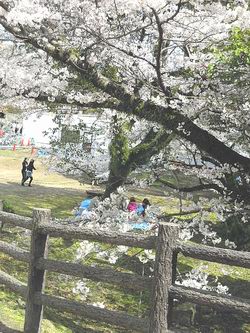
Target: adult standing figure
24,169
29,171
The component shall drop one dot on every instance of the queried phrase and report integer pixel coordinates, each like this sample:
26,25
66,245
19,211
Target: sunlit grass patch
12,311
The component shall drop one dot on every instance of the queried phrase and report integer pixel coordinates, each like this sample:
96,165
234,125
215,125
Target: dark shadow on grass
22,199
237,287
39,189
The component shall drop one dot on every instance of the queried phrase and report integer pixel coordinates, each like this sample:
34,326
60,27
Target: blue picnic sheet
83,206
141,226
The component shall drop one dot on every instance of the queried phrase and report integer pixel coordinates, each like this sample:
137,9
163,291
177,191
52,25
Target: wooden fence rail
108,275
162,286
227,303
13,284
16,220
15,252
115,238
209,253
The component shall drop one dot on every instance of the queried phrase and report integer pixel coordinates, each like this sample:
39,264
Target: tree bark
140,155
116,180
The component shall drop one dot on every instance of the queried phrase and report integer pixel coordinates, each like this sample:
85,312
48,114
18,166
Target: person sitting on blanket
132,206
86,205
141,211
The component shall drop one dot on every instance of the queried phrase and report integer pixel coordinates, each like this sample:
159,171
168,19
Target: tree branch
6,6
195,188
179,5
152,144
61,99
183,213
164,89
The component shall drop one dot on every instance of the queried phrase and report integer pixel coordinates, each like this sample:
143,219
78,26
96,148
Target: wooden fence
162,286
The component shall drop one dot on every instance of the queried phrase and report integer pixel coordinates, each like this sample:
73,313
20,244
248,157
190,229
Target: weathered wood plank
16,220
120,319
14,251
167,237
36,280
13,284
222,303
118,238
107,275
209,253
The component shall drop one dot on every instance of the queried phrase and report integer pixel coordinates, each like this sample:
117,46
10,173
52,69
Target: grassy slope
12,314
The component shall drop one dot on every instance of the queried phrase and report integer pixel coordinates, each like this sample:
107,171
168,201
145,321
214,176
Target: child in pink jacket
132,206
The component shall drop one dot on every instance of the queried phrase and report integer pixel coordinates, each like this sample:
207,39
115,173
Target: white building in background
88,143
34,128
37,128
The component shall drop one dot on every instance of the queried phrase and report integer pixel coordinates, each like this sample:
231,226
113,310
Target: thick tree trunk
119,154
125,160
116,180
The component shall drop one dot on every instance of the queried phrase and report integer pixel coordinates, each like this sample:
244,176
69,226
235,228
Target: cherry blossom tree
155,60
152,45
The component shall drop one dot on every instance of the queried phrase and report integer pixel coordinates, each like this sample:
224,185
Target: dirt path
49,189
44,181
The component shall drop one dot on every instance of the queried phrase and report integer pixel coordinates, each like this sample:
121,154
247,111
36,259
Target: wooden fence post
1,209
167,238
36,280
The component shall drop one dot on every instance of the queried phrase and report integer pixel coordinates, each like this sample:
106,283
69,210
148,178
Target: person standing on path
24,169
29,172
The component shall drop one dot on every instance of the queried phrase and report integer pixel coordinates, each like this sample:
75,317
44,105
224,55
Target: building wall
34,127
